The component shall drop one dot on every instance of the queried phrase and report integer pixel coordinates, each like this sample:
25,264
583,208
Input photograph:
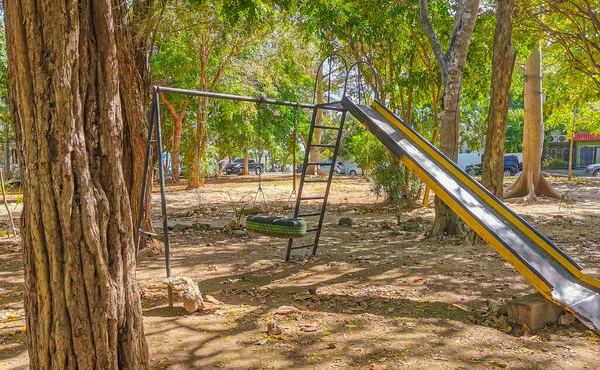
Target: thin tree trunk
245,168
315,152
177,128
284,163
570,173
531,183
452,65
82,303
202,117
503,62
8,211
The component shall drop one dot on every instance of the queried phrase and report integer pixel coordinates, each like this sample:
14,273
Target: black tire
353,173
278,227
596,173
471,171
258,170
508,172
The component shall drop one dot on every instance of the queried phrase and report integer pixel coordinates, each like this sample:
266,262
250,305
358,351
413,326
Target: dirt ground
377,295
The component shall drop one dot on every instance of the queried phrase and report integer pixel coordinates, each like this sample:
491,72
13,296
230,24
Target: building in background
586,150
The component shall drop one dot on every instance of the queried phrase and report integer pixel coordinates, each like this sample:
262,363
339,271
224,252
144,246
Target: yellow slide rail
491,202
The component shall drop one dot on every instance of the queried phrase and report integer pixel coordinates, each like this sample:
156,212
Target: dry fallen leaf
308,328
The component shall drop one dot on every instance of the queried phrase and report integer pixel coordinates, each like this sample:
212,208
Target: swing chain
260,189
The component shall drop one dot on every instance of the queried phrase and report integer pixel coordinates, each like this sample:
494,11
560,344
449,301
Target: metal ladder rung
304,246
312,230
323,145
313,198
327,127
152,141
149,234
309,214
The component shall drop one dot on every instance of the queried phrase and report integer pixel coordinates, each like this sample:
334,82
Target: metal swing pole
294,138
163,196
155,120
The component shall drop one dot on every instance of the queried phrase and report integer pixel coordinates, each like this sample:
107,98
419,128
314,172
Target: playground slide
544,265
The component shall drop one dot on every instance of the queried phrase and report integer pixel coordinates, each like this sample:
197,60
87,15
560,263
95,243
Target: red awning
585,137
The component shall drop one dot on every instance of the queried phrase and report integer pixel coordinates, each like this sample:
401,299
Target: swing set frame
154,128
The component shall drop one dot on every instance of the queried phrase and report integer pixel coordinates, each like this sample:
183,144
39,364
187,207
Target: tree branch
433,39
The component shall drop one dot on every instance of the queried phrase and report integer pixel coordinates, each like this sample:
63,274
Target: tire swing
275,226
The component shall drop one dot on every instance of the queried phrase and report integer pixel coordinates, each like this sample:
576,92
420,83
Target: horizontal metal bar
327,127
147,233
312,230
309,214
251,99
304,246
334,105
312,198
318,164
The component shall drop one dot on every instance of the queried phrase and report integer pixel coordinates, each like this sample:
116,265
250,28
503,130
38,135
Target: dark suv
511,166
236,166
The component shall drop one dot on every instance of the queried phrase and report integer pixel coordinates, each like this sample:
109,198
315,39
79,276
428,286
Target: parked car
339,168
593,169
352,169
511,166
236,166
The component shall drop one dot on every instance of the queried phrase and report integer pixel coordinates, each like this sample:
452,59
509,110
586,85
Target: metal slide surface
544,265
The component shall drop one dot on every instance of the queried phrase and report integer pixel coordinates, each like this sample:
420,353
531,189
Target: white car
352,169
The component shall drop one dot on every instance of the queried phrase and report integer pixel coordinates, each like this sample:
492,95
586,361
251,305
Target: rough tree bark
177,128
503,62
134,35
531,183
82,303
452,65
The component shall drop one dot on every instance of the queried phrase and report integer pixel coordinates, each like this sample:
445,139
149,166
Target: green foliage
555,164
395,182
513,142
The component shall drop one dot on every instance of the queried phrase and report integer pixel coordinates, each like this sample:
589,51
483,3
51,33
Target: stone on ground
286,310
345,221
188,291
566,319
273,329
533,310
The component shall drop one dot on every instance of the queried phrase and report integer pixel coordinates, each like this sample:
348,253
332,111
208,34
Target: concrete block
533,310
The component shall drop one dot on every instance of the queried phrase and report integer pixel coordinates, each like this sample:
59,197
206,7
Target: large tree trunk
82,303
134,39
452,65
503,62
531,183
